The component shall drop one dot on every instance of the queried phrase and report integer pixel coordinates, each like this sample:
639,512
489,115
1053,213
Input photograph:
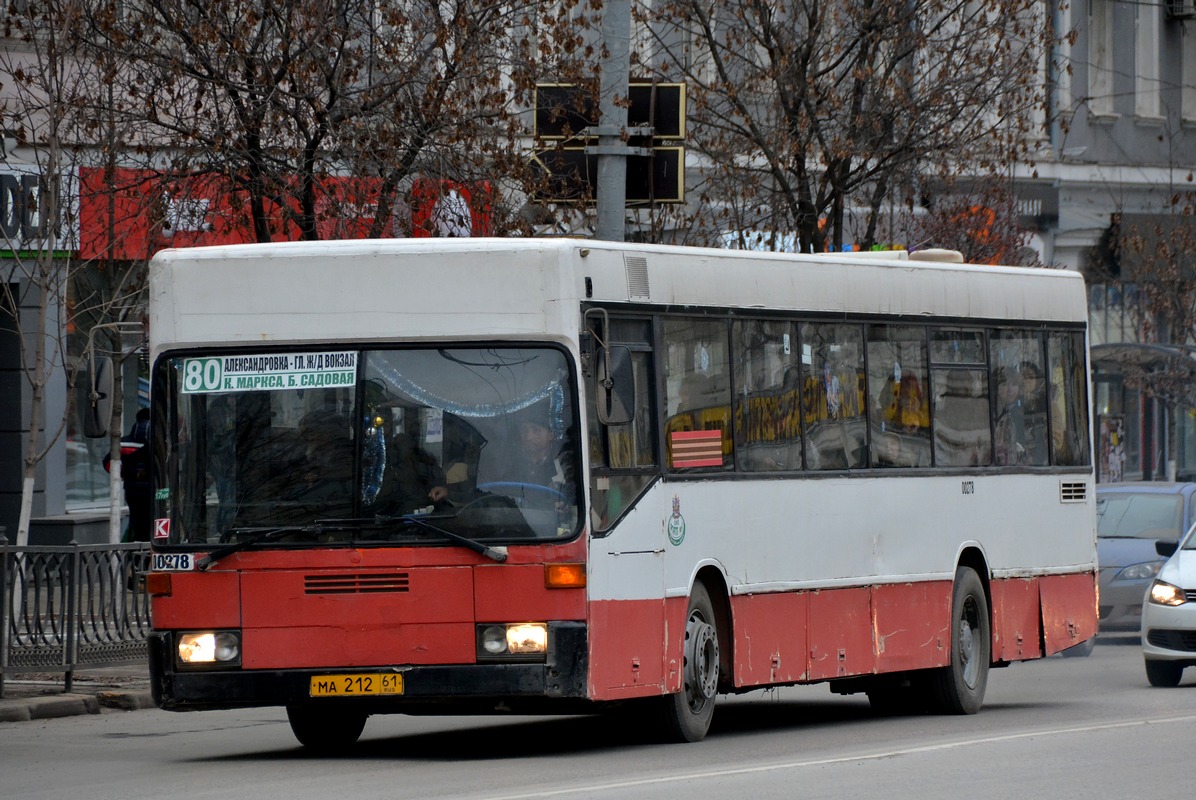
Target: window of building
1100,57
1147,88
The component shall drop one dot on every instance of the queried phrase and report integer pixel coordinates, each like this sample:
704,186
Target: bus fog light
209,647
494,639
529,638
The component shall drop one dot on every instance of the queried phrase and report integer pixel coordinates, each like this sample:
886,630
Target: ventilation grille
366,583
637,277
1073,491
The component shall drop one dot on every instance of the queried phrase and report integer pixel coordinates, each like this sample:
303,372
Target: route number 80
202,374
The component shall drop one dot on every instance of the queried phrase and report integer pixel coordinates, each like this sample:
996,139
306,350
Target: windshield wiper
498,554
263,535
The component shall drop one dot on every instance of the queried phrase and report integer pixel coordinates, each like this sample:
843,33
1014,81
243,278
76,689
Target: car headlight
1164,594
1138,572
209,649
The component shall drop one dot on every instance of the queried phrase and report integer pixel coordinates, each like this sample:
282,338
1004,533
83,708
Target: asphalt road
1057,728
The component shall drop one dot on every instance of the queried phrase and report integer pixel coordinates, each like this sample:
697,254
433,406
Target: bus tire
958,688
688,713
326,730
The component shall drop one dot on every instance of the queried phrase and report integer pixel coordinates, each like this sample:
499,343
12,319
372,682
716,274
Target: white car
1169,614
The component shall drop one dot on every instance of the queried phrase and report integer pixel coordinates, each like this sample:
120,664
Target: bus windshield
366,446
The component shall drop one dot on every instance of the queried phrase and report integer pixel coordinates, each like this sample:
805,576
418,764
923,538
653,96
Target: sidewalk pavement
40,695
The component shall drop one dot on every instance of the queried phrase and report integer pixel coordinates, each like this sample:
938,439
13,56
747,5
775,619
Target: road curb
28,709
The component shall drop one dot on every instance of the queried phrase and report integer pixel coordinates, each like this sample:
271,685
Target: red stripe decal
697,448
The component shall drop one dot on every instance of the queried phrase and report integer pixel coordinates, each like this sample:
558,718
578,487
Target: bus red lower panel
770,641
627,658
912,625
330,646
1069,610
840,631
1016,617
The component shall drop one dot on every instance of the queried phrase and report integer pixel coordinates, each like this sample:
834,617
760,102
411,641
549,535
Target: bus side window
960,417
1019,410
622,457
697,394
767,396
899,397
1068,400
833,406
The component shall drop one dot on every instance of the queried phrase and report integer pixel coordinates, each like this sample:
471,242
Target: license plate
173,562
356,684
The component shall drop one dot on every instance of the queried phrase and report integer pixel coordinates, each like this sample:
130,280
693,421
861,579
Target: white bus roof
392,289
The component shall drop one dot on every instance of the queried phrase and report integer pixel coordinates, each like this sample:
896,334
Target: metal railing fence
72,606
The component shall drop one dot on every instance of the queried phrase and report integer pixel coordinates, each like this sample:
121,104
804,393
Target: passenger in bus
1034,404
418,480
1011,426
327,474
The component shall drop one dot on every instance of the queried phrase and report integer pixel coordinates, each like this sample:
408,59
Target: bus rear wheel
687,715
326,730
958,688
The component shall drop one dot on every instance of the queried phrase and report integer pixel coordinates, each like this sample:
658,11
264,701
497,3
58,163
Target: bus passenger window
899,399
1068,410
1019,412
767,396
962,436
833,407
697,394
622,457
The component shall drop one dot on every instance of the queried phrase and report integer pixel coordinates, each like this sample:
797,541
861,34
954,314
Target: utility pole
612,151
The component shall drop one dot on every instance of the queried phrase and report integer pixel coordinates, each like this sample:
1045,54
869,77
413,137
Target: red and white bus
492,475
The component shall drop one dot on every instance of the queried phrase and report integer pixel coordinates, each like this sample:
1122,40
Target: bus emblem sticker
676,523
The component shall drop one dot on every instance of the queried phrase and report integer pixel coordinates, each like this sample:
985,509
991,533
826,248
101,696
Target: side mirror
1166,547
615,386
99,395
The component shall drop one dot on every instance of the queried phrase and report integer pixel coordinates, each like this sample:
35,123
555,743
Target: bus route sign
269,372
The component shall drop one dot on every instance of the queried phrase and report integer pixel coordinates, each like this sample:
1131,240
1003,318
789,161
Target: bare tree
41,83
806,113
274,97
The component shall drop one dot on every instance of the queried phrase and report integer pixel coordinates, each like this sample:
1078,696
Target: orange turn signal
565,576
157,584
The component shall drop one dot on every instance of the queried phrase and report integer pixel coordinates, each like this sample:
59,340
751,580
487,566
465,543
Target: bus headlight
516,641
209,648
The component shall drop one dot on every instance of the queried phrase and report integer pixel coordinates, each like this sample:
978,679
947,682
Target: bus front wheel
688,713
958,688
325,729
